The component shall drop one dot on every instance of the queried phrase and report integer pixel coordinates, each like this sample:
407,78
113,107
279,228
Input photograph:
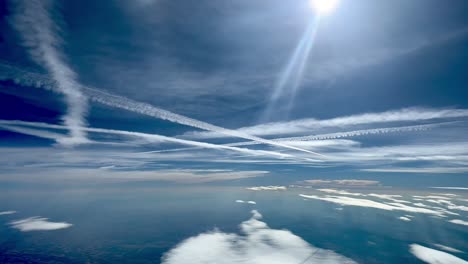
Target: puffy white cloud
404,218
433,256
38,224
247,202
267,188
257,244
7,212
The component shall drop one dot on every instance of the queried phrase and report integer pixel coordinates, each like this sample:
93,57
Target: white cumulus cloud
38,224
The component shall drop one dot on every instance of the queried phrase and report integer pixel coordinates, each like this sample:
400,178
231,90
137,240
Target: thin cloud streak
348,134
306,125
40,35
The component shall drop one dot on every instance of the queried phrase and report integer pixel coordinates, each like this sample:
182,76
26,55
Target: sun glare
324,6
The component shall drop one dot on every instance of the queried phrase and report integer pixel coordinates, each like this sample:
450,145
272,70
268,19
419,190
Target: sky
197,92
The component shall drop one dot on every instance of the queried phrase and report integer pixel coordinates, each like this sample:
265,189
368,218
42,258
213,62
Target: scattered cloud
312,124
350,183
436,170
459,222
340,192
246,202
404,218
267,188
342,200
433,256
449,249
38,224
7,212
258,243
451,188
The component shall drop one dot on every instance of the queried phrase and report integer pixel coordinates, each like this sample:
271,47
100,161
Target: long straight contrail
39,33
336,135
145,109
13,125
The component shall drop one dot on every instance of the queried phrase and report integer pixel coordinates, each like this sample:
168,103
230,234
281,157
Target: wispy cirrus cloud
41,35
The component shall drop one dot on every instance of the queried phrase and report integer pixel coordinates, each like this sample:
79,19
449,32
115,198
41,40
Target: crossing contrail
13,126
149,110
336,135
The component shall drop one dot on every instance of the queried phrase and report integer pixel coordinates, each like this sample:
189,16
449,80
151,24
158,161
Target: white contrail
13,125
142,108
306,125
34,132
348,134
150,110
39,32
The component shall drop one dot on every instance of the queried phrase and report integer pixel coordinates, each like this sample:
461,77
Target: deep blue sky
388,65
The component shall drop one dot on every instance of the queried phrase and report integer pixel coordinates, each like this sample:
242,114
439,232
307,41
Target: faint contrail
146,109
13,125
39,33
347,134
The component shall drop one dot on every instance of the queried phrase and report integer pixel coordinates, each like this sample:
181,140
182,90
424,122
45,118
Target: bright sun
324,6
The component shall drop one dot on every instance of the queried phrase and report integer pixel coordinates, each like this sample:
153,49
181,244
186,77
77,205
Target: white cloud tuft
258,244
267,188
433,256
459,222
342,200
449,249
38,224
404,218
7,212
